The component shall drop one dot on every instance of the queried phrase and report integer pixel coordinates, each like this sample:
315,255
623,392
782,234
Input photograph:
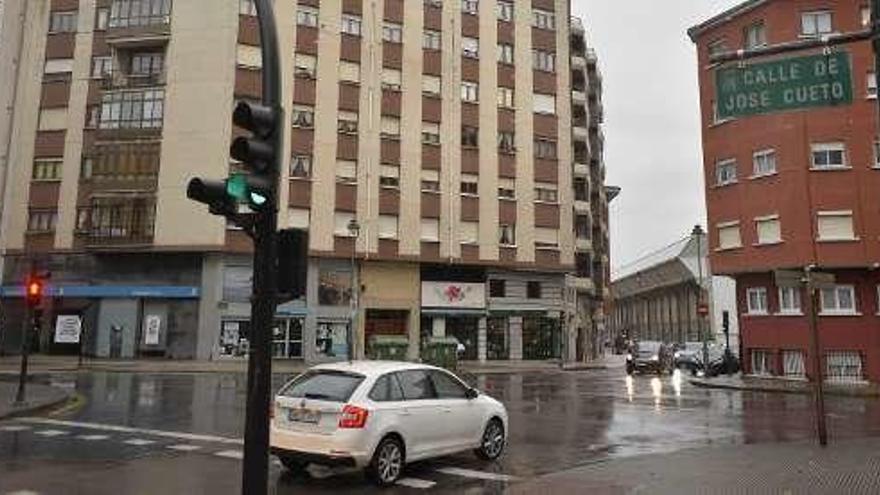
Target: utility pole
698,234
33,298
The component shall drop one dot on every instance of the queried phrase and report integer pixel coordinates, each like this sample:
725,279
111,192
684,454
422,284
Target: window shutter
298,218
387,227
544,103
431,84
728,237
546,236
350,72
430,229
836,226
346,169
249,56
340,223
469,232
769,231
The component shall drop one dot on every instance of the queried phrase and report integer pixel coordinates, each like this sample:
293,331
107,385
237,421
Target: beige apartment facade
441,130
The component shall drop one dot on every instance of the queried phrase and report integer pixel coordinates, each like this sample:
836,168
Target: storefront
497,338
456,310
541,337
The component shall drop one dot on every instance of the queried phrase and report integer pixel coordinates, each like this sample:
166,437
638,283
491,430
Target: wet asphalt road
558,420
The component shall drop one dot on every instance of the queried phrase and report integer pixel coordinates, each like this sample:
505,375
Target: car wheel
629,369
493,441
387,464
294,466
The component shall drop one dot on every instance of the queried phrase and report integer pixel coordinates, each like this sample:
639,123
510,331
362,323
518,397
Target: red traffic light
34,292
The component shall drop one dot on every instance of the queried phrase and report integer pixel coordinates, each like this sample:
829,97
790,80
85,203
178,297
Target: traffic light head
258,153
212,193
33,290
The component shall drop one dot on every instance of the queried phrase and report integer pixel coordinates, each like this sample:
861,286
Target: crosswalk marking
51,433
231,454
184,447
14,428
139,441
480,475
92,438
415,483
193,437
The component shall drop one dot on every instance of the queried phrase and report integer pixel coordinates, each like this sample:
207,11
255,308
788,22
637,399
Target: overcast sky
652,126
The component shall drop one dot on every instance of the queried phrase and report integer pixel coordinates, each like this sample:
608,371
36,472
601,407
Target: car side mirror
472,394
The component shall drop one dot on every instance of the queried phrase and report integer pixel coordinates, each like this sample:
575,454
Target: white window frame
755,35
832,376
470,91
470,6
102,66
760,159
306,15
839,214
761,294
543,19
307,161
505,97
504,11
505,53
431,133
790,301
351,24
346,171
814,30
392,32
544,104
470,47
508,231
726,164
386,221
767,219
865,13
544,61
871,85
794,364
432,40
876,163
837,310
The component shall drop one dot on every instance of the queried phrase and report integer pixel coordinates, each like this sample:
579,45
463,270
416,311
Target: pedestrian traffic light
34,291
258,153
293,256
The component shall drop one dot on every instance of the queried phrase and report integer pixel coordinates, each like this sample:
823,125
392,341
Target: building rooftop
724,17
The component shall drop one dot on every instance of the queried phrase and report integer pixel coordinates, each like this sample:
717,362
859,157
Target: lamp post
354,228
698,234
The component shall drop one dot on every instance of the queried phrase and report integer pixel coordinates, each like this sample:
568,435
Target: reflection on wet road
558,420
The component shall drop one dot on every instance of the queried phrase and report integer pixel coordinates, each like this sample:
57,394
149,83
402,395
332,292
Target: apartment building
796,188
431,160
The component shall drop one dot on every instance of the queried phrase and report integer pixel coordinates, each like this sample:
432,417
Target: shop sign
152,325
67,329
453,295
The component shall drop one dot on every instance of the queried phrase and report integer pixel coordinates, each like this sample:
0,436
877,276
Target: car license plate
304,416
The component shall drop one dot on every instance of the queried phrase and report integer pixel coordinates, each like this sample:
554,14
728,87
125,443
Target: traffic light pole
25,349
256,434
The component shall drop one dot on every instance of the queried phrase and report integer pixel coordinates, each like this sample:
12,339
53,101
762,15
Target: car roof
372,368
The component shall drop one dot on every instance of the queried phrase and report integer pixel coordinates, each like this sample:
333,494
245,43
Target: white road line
470,473
184,447
92,438
141,431
416,483
23,492
231,454
15,428
139,442
51,433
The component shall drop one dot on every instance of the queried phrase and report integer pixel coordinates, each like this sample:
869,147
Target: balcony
130,113
577,25
582,245
117,221
581,170
130,81
121,166
139,23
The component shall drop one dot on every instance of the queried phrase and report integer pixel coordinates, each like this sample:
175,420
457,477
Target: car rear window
328,385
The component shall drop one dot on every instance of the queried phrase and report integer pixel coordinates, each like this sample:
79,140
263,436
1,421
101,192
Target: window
470,136
470,47
543,19
728,236
506,188
764,162
102,17
761,362
545,104
298,218
347,123
431,133
768,229
843,366
506,142
434,3
303,116
301,166
790,300
871,85
836,226
42,220
505,53
507,235
793,364
497,288
139,109
876,154
387,227
546,193
306,15
389,176
755,36
504,11
416,385
756,298
330,385
390,127
543,60
865,13
582,227
840,300
58,66
448,387
47,170
469,232
431,39
545,148
102,67
829,155
62,22
505,97
533,289
470,6
386,389
305,65
815,23
717,47
430,181
391,79
725,172
341,220
546,238
430,230
349,72
470,91
350,24
147,63
247,7
134,13
346,171
469,184
392,32
431,85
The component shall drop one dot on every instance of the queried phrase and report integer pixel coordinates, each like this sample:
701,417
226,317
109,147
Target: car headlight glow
677,355
655,357
629,357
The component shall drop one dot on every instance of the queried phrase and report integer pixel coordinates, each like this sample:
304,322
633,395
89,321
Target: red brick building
790,189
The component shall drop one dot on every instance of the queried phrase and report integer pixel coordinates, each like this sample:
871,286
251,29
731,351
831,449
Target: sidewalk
37,396
780,385
851,467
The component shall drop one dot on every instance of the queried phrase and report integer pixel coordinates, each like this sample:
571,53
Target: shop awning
111,291
453,312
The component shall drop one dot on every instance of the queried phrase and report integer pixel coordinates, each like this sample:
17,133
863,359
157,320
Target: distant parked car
380,415
649,357
689,356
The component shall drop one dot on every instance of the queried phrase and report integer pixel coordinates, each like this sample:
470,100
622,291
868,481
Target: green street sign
782,85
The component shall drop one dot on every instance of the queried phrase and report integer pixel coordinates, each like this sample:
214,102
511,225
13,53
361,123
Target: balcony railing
118,221
139,13
128,81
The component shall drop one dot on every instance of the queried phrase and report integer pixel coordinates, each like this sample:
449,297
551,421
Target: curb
36,408
866,392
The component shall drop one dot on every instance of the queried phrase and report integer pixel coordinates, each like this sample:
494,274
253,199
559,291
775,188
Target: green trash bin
388,348
441,352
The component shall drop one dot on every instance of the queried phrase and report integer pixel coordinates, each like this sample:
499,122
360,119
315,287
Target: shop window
533,290
497,338
234,336
497,288
541,338
334,287
287,338
330,339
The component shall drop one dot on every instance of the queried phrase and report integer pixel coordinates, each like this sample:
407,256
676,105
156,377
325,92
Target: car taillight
353,417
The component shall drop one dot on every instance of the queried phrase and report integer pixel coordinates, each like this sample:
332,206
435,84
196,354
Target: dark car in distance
649,357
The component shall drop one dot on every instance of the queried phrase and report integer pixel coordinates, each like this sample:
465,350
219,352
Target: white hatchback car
380,415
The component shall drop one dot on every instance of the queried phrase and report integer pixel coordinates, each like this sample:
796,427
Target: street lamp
698,234
354,229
